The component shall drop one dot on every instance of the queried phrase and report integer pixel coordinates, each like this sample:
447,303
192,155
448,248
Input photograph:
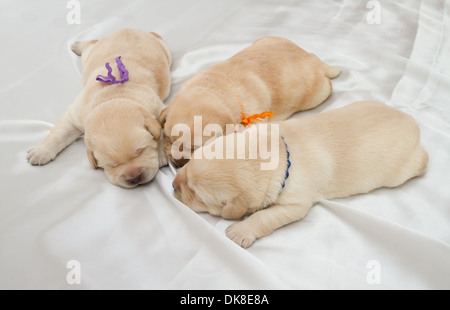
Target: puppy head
191,189
123,139
212,186
189,126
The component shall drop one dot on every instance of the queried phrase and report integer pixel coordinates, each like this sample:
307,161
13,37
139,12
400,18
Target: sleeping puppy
273,74
118,121
344,152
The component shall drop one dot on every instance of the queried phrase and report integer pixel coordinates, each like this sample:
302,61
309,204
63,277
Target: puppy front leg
163,160
63,134
266,221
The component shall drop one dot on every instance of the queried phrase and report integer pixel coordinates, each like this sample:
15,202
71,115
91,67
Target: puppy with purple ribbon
116,112
344,152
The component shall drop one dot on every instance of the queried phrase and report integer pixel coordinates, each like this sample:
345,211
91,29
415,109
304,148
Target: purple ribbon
111,79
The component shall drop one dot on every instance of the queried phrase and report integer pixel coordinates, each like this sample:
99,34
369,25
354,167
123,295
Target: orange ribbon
247,120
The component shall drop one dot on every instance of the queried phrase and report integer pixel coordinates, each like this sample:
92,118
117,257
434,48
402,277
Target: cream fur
273,74
118,121
348,151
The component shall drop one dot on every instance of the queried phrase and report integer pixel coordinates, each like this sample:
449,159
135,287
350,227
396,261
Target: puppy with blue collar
343,152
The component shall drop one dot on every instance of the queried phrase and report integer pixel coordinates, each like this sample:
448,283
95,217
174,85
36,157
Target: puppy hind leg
423,161
322,91
415,167
266,221
325,89
62,134
419,163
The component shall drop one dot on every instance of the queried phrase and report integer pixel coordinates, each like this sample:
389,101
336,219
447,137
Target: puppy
119,124
273,74
340,153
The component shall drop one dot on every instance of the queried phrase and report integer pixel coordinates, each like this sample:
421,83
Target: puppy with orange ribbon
271,78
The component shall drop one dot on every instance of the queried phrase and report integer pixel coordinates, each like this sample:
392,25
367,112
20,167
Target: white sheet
145,239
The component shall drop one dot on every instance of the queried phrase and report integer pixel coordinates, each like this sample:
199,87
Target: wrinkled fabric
144,238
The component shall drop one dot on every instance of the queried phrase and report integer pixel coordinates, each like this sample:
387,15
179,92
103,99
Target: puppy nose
135,180
178,163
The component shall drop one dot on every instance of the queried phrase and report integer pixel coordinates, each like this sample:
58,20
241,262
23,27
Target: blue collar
288,164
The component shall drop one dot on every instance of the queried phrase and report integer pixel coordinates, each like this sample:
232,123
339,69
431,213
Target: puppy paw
241,234
40,156
163,160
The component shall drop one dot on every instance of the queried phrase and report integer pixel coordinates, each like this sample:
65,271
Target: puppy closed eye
114,164
108,163
138,152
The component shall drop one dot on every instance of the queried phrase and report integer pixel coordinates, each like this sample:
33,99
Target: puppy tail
331,71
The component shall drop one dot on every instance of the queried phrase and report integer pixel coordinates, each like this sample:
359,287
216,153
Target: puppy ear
156,35
162,116
235,208
180,178
92,158
154,127
79,46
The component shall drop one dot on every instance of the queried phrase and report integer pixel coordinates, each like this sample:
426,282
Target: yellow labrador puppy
273,74
344,152
117,115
